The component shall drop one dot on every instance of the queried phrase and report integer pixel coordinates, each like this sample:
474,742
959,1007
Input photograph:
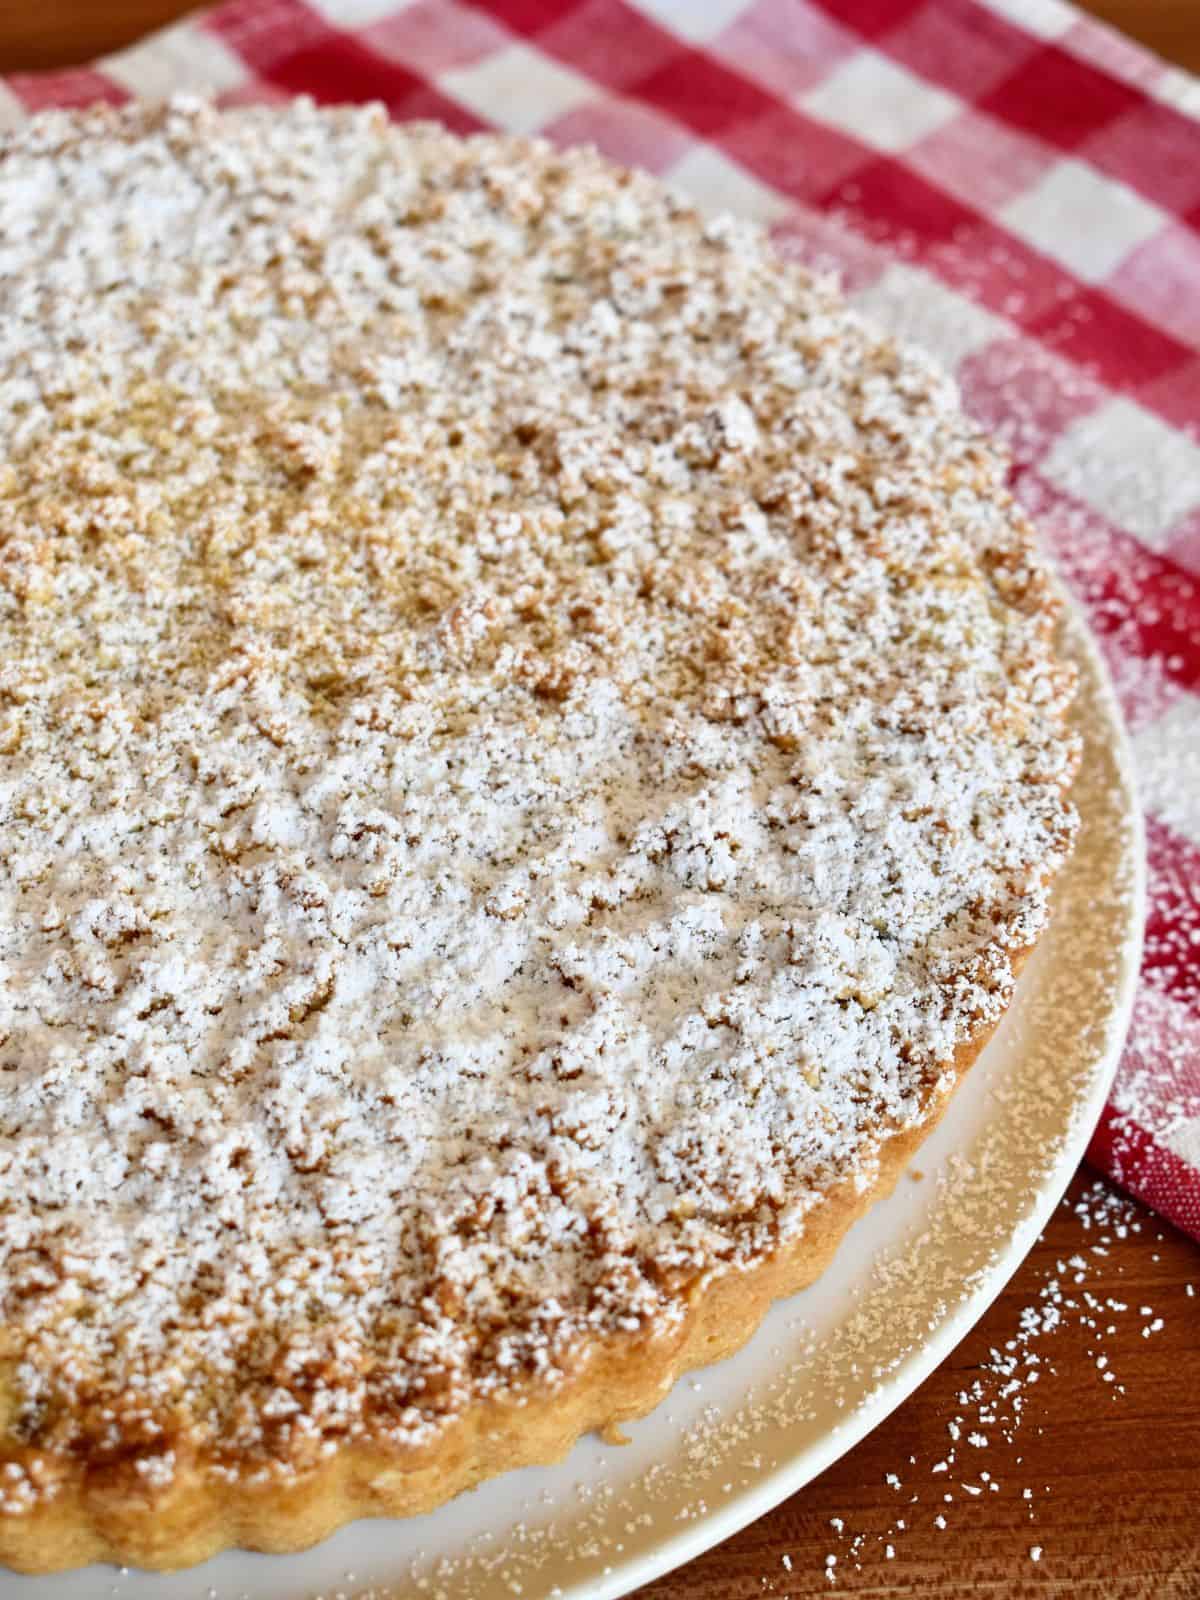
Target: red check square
872,18
1058,98
891,201
1118,346
528,17
340,68
703,93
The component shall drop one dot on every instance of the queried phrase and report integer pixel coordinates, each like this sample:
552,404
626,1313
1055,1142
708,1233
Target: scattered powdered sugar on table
995,1406
529,737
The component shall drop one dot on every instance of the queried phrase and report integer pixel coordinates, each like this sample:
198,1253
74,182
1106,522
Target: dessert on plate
531,752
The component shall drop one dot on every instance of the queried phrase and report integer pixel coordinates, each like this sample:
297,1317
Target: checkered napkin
1009,184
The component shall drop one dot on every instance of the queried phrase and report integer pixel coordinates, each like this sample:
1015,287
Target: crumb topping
528,738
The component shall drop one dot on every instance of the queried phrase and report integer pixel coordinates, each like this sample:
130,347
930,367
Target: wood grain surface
1101,1476
1112,1468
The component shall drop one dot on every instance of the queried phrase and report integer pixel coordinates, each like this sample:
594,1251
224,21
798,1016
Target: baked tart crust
531,752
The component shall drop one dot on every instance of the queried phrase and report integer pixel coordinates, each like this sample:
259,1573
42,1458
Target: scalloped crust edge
620,1378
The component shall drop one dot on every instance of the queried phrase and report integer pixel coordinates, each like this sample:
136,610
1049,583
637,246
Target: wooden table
1112,1468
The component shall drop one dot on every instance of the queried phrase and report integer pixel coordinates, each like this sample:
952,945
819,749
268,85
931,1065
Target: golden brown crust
624,1377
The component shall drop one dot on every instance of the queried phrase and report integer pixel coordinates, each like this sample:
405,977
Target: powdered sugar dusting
531,737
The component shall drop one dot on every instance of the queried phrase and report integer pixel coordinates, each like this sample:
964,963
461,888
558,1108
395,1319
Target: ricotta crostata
531,752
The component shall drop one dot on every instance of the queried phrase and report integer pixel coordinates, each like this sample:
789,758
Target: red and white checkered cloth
1007,183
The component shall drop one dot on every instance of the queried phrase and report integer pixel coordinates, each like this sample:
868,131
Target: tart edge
101,1518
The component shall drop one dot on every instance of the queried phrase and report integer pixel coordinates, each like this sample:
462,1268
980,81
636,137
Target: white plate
908,1282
